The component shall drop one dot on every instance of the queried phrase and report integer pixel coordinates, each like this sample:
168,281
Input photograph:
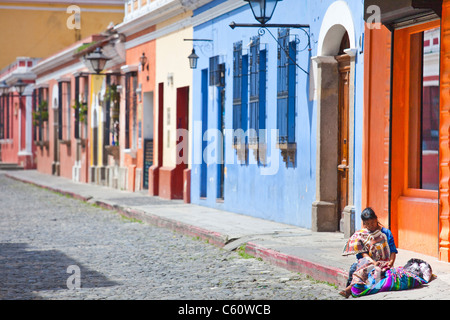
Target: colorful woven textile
395,279
374,243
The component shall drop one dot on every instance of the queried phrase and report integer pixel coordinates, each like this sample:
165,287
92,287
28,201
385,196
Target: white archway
337,20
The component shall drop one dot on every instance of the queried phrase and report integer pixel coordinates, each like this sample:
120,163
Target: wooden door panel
343,161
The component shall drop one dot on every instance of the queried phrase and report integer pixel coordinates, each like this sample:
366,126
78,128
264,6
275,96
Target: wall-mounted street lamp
143,60
263,11
4,88
98,60
193,57
20,86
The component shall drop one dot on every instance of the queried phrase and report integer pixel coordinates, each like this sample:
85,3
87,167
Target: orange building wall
147,80
413,216
414,212
444,136
377,69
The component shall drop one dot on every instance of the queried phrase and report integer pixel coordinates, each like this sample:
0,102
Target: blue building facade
267,119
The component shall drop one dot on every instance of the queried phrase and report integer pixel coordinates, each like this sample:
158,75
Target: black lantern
98,60
3,87
143,59
193,58
20,86
262,9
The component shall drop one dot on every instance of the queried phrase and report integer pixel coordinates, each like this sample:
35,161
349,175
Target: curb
317,271
212,237
63,192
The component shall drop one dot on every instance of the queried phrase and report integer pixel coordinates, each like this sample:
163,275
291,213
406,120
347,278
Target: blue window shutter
237,86
204,103
291,91
262,89
244,101
282,86
286,84
254,90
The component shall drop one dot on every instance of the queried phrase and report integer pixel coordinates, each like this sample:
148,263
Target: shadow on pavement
25,272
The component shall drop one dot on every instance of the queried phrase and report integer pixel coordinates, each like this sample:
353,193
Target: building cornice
217,11
19,69
197,20
156,12
63,57
69,2
152,14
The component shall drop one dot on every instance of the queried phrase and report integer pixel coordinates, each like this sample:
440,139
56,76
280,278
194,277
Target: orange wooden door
414,205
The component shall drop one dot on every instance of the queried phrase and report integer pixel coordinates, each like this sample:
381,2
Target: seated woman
374,246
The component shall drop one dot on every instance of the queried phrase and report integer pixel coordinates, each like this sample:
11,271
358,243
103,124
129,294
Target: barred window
237,88
216,72
257,102
286,83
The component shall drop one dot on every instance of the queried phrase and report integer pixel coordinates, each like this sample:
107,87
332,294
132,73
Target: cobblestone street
46,237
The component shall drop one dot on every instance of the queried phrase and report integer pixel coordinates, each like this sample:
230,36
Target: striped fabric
395,279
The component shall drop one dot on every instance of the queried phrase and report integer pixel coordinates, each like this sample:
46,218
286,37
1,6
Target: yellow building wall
170,64
39,29
97,84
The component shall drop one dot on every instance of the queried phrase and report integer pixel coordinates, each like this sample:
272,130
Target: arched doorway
333,209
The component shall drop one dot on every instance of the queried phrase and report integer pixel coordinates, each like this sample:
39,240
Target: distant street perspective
55,247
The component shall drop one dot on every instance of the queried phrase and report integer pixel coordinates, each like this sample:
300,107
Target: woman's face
371,224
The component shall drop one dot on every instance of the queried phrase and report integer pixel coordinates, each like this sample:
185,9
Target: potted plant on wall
82,111
82,108
40,116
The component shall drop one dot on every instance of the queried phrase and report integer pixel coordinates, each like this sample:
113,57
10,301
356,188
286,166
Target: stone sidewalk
296,249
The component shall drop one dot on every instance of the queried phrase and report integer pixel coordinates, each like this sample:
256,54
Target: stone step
10,166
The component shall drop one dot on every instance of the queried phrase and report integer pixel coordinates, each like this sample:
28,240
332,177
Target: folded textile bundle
414,274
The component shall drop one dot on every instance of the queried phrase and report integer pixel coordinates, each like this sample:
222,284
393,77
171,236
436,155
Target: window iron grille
216,72
286,83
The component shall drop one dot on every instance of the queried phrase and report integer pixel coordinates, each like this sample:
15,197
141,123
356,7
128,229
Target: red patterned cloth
374,243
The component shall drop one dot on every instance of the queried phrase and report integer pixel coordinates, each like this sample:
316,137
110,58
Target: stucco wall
276,192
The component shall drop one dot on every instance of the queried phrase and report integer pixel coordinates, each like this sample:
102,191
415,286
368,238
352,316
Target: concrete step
10,166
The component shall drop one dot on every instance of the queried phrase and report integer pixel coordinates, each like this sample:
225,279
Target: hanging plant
82,111
112,95
41,114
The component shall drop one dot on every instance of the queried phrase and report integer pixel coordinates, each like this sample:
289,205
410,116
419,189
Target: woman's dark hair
368,214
